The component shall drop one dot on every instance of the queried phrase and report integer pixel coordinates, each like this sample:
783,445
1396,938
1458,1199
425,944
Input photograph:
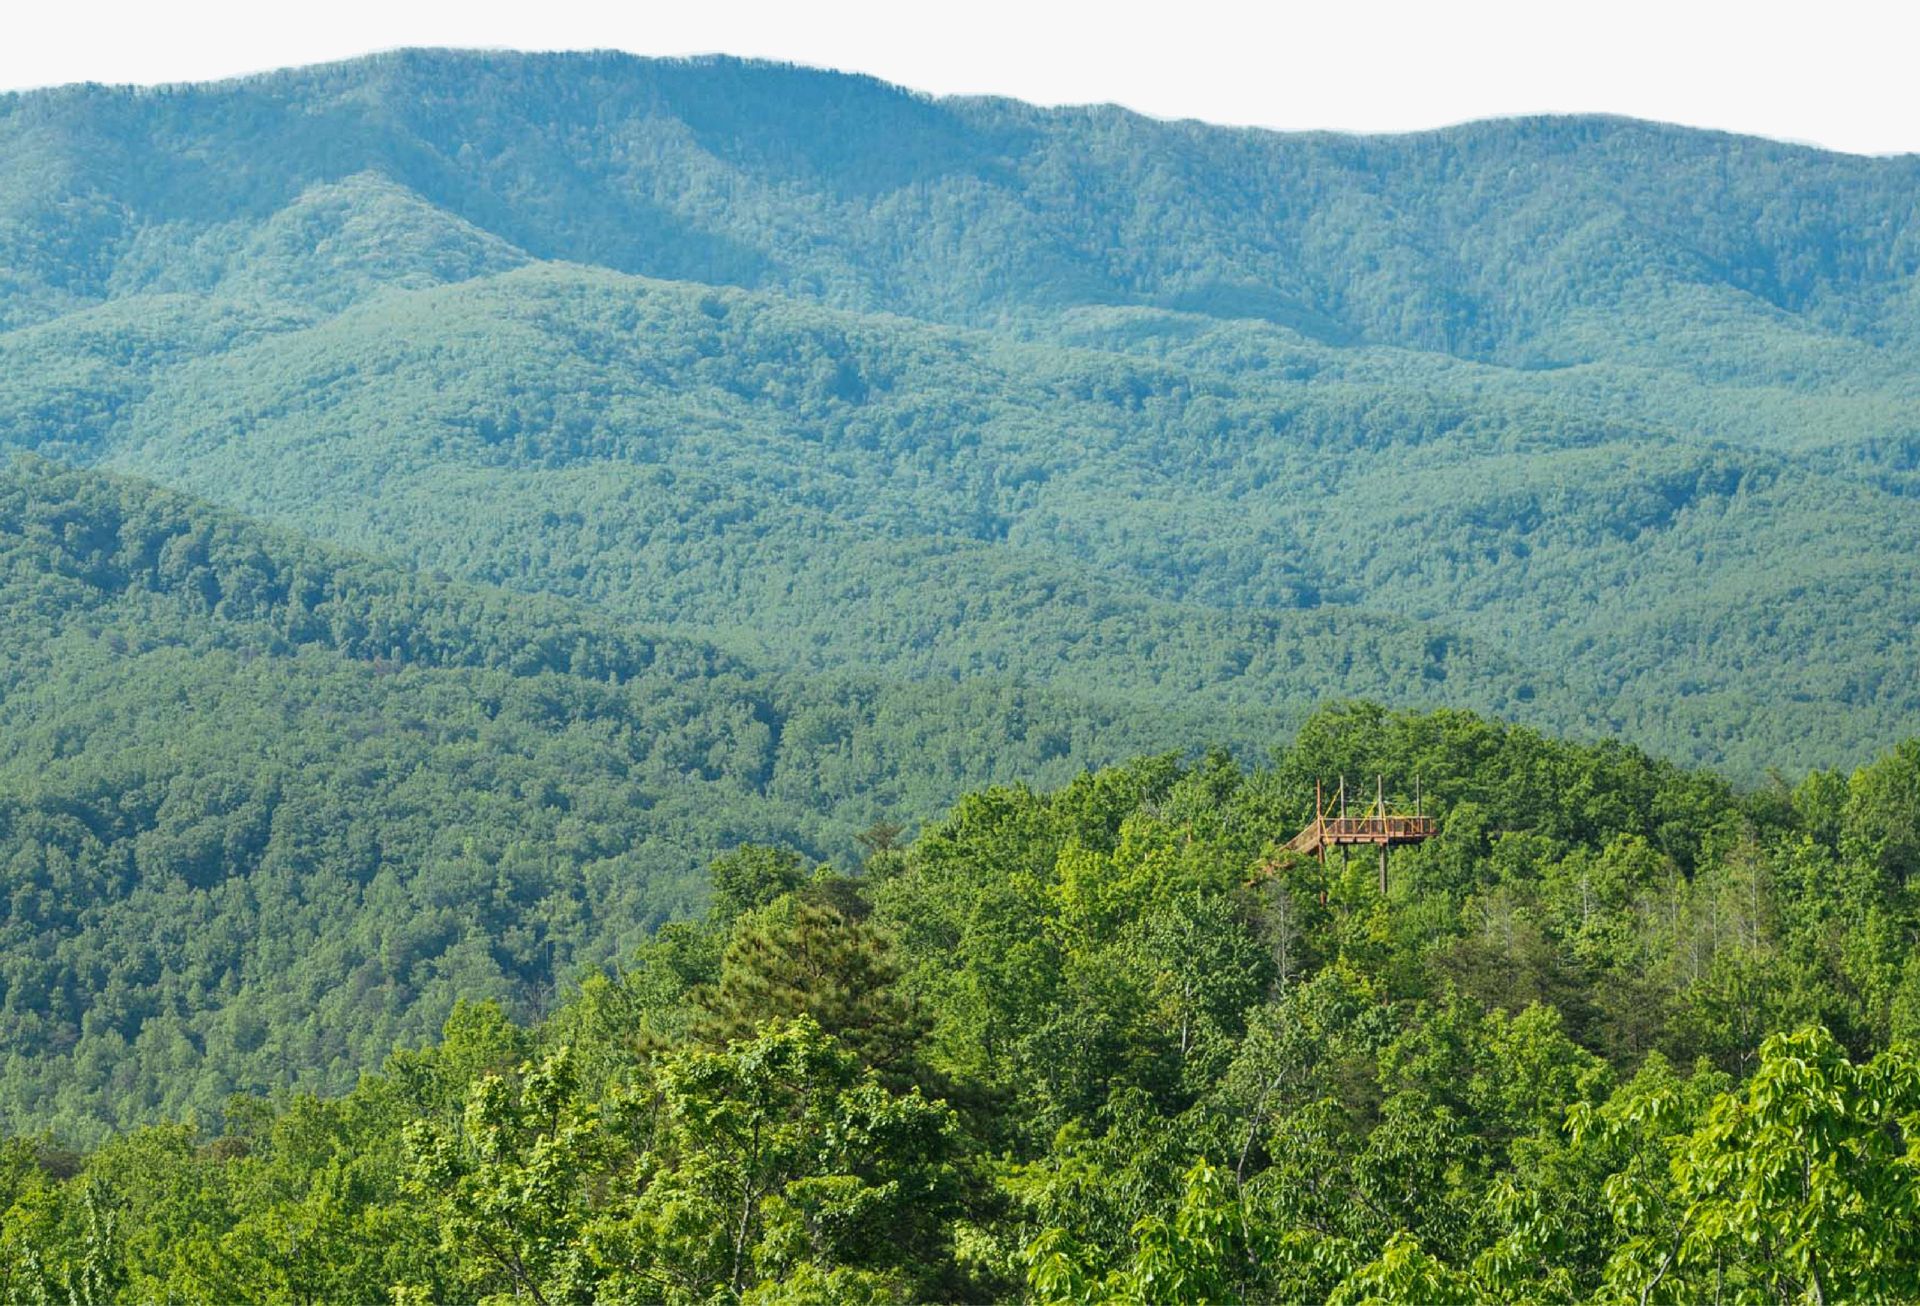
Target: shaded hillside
817,490
267,810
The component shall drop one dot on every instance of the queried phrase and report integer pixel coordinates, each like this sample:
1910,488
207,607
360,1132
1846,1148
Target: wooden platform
1377,828
1386,831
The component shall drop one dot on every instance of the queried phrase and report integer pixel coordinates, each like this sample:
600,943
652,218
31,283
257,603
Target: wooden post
1320,822
1320,829
1383,870
1345,852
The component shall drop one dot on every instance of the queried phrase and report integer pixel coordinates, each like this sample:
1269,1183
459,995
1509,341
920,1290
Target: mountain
1505,240
454,497
842,378
645,681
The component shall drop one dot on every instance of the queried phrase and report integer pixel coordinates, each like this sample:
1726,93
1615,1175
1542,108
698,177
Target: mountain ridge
427,143
716,58
913,387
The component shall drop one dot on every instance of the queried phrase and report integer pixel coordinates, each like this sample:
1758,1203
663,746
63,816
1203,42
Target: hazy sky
1838,73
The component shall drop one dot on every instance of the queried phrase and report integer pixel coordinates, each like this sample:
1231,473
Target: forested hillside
267,810
505,561
1599,424
1513,239
1619,1033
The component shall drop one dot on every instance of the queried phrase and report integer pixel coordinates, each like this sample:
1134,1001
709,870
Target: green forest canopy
509,558
1602,425
267,810
1097,1044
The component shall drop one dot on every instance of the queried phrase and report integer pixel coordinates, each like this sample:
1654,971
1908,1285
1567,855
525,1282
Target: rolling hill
454,496
267,810
839,377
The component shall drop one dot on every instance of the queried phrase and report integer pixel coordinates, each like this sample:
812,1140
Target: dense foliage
267,810
1597,424
696,458
1618,1034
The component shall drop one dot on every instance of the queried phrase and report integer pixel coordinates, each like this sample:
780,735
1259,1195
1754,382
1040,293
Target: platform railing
1391,826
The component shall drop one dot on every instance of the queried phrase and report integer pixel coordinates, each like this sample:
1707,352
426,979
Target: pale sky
1841,73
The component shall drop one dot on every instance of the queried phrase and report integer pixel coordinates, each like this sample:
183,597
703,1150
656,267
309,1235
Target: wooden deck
1380,828
1385,831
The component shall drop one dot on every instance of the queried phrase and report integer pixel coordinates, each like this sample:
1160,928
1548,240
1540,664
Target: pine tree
799,957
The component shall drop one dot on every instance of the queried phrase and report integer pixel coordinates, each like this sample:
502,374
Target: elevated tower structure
1378,827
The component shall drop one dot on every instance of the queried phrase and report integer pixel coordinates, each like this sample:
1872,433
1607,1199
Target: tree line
1621,1033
